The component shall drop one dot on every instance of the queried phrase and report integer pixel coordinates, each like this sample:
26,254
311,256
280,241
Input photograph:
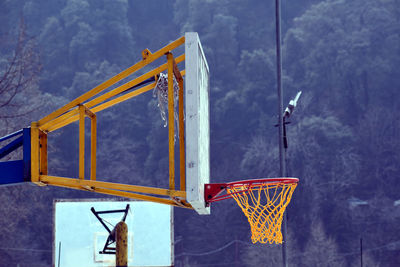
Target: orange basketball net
263,201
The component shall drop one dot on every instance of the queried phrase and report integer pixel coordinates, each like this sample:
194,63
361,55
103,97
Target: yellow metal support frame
171,130
95,100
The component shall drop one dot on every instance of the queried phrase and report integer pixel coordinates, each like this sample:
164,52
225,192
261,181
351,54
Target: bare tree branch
18,75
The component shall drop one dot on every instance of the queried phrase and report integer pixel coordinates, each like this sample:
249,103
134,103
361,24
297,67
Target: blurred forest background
344,138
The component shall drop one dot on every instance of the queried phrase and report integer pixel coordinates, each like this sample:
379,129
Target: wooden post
121,255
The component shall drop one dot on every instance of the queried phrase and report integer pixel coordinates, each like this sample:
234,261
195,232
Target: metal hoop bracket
212,192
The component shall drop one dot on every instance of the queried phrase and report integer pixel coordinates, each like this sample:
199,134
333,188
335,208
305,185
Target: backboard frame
125,85
197,124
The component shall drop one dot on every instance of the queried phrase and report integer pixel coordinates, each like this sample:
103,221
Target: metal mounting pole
59,254
280,116
279,90
361,252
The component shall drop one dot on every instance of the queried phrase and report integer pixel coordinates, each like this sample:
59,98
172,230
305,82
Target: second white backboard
79,236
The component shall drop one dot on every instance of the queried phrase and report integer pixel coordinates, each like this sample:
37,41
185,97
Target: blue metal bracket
16,171
13,145
11,135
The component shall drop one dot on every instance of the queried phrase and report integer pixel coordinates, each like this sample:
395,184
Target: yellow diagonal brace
128,85
65,119
125,194
136,196
124,97
105,105
53,180
113,80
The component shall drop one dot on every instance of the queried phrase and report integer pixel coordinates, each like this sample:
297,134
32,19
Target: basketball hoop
263,201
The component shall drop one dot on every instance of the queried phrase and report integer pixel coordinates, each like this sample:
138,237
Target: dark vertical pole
361,252
280,115
59,254
279,88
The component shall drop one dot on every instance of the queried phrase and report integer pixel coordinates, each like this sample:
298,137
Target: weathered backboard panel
81,236
197,125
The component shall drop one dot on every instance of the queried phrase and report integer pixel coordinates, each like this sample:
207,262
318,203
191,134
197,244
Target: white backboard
197,124
81,235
